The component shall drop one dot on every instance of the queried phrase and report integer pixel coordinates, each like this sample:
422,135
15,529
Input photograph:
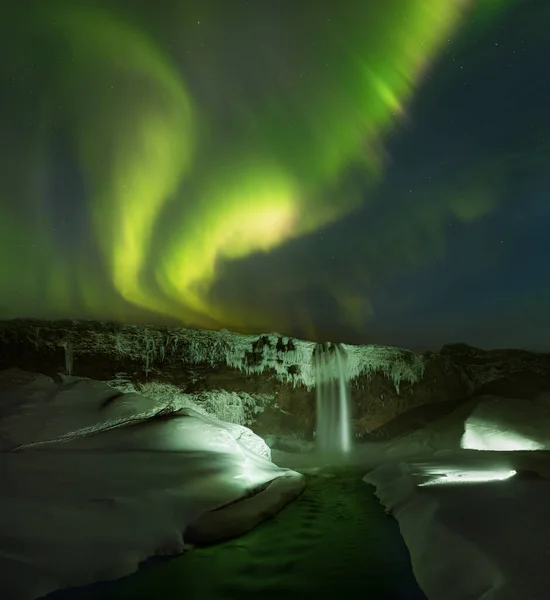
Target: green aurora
204,137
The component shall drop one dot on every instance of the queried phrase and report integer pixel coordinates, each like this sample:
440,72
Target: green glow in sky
178,180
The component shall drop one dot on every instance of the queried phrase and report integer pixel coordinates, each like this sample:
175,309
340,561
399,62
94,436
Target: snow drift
487,538
483,423
95,482
475,521
509,424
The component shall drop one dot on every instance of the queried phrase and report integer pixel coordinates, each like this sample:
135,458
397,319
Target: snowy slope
95,482
485,540
509,424
476,522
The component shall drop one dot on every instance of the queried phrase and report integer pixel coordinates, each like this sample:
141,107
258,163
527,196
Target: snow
95,481
475,521
508,424
487,537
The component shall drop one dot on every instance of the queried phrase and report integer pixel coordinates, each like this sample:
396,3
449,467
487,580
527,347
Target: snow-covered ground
471,494
476,519
95,482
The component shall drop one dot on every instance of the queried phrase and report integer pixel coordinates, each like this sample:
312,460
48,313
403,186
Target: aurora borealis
366,172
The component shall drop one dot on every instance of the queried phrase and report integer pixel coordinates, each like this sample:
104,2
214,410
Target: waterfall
333,433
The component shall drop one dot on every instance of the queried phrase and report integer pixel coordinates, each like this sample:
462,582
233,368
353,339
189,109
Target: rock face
266,381
505,373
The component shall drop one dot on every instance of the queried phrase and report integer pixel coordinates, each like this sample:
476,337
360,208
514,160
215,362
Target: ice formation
241,408
289,359
396,364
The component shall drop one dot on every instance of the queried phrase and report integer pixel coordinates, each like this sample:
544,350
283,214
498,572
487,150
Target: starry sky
365,172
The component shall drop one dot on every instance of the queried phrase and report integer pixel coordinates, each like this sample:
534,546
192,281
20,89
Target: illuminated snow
487,539
485,436
508,424
470,477
119,477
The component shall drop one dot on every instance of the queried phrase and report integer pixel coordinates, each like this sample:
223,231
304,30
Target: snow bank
483,423
95,481
486,538
475,522
508,424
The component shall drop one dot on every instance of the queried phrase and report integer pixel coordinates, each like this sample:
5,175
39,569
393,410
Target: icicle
149,355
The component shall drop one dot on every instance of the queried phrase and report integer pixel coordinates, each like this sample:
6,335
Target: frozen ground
476,519
476,523
333,541
95,482
471,494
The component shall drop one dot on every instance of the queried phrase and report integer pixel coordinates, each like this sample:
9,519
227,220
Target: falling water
333,434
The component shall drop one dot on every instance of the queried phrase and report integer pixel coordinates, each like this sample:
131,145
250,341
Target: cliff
266,381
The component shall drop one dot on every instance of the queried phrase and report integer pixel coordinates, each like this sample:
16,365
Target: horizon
77,321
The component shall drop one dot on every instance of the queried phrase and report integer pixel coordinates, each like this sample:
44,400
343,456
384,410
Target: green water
333,541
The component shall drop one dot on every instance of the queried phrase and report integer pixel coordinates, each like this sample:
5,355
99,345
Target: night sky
365,172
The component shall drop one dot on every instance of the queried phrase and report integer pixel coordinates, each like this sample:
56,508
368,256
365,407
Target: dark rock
393,390
506,373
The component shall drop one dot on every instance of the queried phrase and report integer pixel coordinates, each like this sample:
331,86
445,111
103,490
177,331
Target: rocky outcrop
506,373
265,381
